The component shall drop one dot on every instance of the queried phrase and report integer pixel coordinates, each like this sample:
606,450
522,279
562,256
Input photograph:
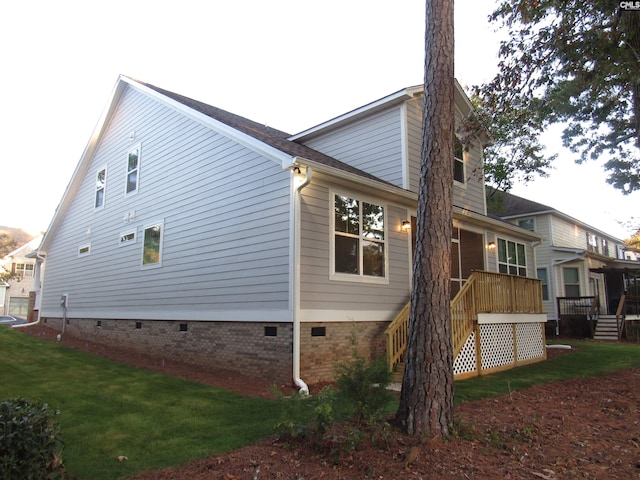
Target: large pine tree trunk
426,401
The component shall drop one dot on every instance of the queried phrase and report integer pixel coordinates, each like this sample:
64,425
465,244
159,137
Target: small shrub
30,444
362,389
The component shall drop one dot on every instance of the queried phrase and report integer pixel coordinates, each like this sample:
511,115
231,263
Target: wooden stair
398,372
606,328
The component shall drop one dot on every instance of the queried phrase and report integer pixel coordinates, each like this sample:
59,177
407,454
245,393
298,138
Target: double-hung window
512,258
571,277
359,239
133,170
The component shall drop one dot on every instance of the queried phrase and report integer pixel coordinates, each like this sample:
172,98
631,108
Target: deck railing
484,292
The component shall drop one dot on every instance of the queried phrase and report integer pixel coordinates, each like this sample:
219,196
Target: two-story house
15,293
581,268
189,232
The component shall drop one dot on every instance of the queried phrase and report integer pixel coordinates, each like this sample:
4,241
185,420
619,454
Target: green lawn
588,359
109,409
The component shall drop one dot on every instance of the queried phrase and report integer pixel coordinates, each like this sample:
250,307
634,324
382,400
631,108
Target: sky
290,64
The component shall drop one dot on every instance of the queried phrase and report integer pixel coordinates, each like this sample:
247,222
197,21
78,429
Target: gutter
303,388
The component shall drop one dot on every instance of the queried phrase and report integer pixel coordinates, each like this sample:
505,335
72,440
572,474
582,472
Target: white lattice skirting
502,345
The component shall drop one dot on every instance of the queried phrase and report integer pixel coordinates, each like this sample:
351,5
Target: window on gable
23,269
133,170
512,258
458,160
84,250
359,247
527,224
101,183
127,238
152,245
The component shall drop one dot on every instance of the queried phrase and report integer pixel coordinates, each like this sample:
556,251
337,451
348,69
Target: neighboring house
192,233
575,260
16,291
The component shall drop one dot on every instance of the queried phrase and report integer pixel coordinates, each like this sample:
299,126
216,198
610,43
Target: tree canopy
569,62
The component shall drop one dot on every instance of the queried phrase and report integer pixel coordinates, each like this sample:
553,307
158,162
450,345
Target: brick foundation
244,347
320,354
248,348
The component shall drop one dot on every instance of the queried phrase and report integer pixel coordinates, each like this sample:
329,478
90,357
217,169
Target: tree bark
426,400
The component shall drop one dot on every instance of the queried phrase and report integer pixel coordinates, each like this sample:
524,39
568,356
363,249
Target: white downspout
303,388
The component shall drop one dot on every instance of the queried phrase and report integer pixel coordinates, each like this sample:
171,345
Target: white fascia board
384,102
351,178
507,318
83,164
277,156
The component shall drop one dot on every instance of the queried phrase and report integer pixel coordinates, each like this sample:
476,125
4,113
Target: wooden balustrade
484,292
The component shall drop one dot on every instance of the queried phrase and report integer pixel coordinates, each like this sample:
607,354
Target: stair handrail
482,292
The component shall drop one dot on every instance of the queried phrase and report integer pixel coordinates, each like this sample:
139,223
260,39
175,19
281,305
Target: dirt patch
576,429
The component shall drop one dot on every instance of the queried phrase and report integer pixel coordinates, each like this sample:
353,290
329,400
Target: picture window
152,245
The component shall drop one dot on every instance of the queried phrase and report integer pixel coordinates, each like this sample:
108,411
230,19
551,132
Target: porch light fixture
491,246
406,225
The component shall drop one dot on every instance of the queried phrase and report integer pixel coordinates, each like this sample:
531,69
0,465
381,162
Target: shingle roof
504,204
270,136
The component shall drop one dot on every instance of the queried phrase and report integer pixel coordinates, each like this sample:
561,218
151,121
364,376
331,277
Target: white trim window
133,170
458,161
127,238
152,245
512,258
101,186
571,280
358,243
84,250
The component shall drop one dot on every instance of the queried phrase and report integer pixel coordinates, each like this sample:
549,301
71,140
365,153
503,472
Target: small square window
270,331
99,323
138,325
127,238
318,331
184,327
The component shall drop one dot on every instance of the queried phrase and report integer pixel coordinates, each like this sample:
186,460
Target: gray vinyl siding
225,211
470,195
372,144
318,291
